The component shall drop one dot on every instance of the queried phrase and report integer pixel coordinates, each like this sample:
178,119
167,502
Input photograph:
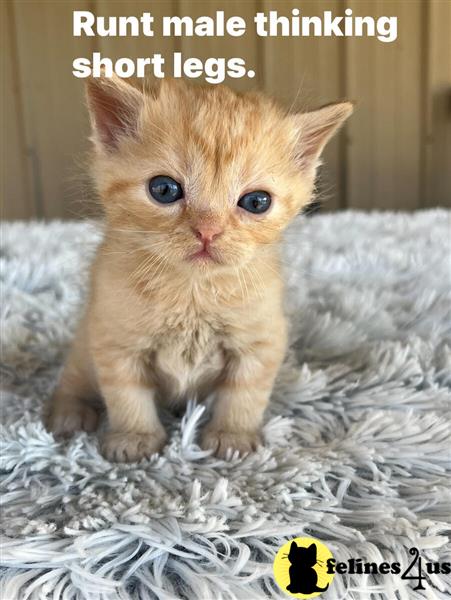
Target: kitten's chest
188,355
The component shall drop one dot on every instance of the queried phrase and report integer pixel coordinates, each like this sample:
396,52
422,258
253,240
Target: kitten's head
203,177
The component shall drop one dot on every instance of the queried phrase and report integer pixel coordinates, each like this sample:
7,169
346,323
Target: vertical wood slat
305,73
436,189
55,121
385,132
16,200
245,46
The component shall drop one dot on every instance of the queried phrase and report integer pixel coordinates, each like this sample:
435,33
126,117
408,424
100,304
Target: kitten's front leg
242,399
134,430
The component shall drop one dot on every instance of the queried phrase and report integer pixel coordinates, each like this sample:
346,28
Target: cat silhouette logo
300,568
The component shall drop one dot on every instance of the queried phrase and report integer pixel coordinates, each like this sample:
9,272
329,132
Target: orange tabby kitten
198,185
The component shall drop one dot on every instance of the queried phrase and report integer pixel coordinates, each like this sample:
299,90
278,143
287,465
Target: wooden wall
395,153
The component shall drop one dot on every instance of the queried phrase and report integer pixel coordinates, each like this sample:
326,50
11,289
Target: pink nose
207,233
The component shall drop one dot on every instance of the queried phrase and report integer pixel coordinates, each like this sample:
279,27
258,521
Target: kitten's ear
293,546
314,129
114,107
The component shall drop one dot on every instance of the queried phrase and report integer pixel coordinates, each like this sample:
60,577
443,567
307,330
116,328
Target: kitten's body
166,318
187,347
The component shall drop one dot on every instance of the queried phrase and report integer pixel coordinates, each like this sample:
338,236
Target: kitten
198,185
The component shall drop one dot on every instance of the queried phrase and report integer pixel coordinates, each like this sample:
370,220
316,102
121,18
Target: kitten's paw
220,441
64,420
131,447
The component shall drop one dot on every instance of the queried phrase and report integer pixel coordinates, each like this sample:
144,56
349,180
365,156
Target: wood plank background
394,154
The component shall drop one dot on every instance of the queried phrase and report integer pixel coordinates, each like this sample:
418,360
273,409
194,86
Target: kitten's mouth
203,255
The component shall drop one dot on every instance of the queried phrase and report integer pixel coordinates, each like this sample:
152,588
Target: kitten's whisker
251,273
160,268
239,280
247,289
143,269
123,252
259,277
144,231
158,275
148,270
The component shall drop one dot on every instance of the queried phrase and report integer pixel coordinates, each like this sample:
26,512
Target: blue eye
255,202
164,189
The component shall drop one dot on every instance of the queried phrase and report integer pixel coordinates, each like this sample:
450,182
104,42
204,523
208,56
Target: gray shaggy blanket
357,437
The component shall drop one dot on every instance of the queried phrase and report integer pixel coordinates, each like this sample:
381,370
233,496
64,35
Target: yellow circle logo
300,568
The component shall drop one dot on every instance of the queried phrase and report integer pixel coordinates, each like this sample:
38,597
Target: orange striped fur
159,327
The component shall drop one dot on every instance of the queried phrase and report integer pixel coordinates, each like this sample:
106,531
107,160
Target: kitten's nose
207,233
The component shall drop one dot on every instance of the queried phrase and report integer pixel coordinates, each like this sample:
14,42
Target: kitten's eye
164,189
255,202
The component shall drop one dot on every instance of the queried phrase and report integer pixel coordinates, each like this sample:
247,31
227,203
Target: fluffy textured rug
357,437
